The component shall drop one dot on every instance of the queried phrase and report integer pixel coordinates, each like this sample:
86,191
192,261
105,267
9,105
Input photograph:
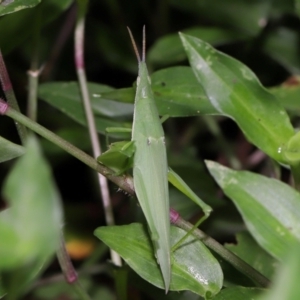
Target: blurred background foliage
263,34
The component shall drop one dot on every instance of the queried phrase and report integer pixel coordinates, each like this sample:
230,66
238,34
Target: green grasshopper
146,153
150,167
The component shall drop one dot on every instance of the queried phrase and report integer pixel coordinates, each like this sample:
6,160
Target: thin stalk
33,73
69,272
80,68
227,255
124,182
10,97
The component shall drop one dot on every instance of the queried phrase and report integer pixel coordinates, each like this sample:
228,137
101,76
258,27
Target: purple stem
174,216
4,78
3,107
10,96
65,262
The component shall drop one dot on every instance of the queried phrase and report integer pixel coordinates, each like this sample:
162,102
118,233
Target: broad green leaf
20,25
239,293
270,208
177,93
282,45
65,96
169,50
176,90
10,6
235,91
9,150
193,266
258,258
30,227
286,282
248,17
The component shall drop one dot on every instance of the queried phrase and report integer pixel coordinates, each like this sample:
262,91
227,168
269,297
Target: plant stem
69,271
227,255
124,182
79,62
33,73
10,97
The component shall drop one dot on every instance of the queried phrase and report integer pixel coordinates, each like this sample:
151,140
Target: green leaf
20,25
9,150
239,293
169,50
30,227
176,90
248,17
65,96
270,208
258,258
235,91
10,6
177,93
193,266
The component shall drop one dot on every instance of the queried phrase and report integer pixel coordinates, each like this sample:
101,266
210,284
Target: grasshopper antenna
144,44
134,46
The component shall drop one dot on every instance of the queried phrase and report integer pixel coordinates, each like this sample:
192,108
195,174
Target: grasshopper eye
138,80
